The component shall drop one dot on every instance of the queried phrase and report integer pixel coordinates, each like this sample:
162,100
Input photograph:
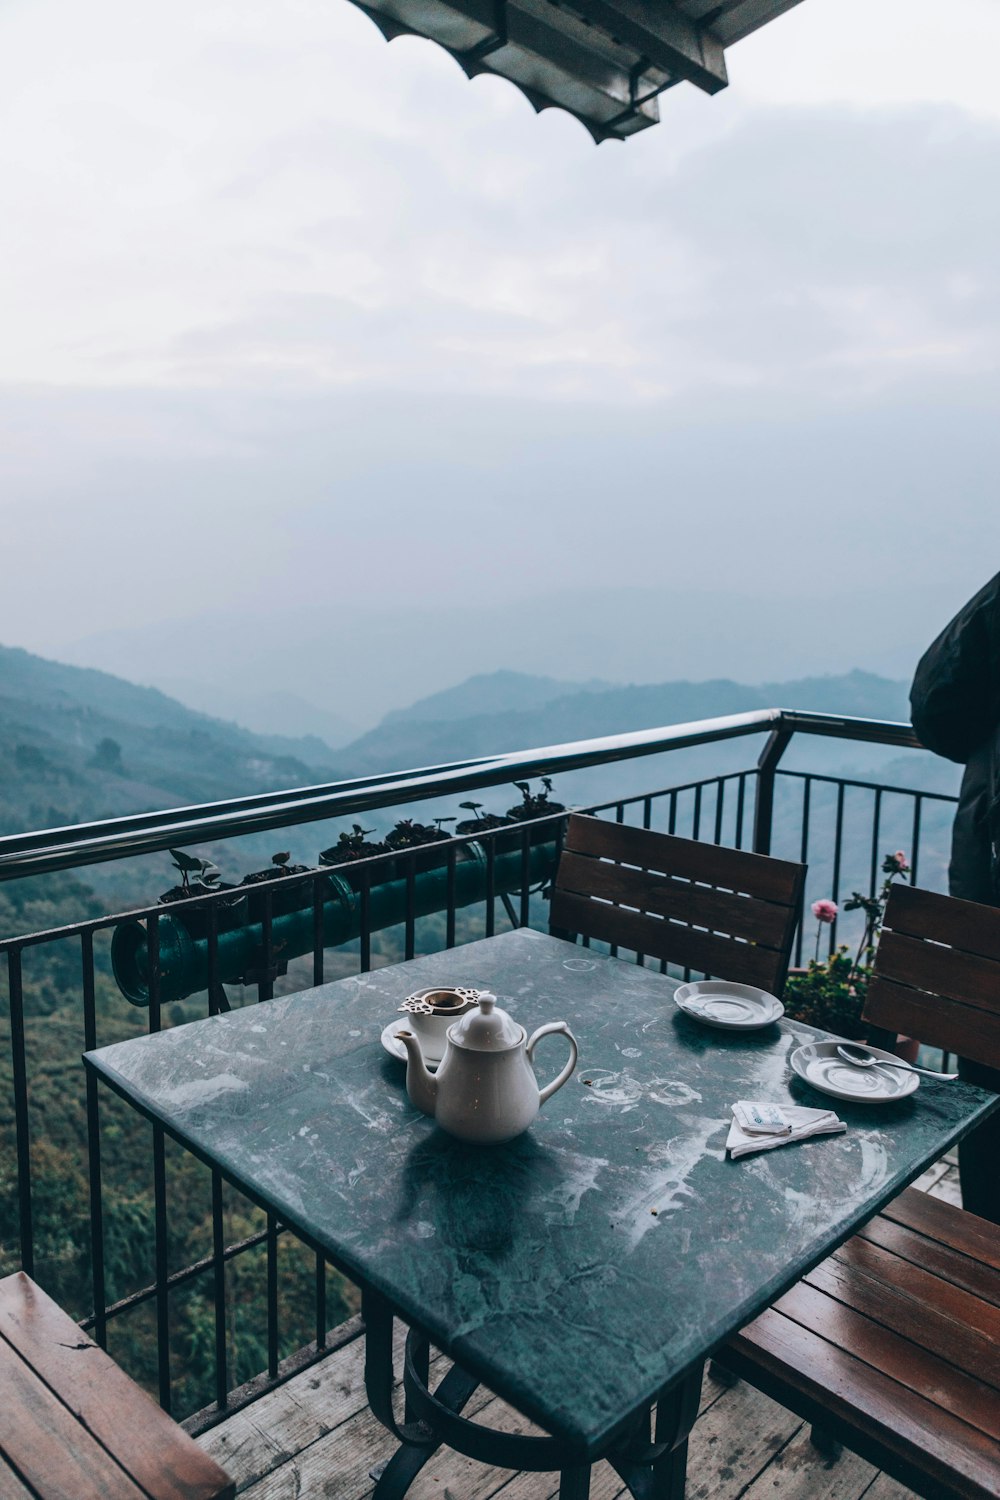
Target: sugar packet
761,1119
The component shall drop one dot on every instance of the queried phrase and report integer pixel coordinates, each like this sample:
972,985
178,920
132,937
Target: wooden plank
958,1458
910,1364
733,869
12,1487
884,1488
742,963
965,977
41,1438
762,922
161,1458
938,1220
940,1022
934,1325
962,924
272,1430
799,1472
932,1256
948,1188
922,1287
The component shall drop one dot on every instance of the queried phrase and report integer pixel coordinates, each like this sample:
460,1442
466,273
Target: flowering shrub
831,993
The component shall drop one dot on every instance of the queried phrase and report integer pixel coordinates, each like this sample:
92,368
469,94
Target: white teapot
485,1089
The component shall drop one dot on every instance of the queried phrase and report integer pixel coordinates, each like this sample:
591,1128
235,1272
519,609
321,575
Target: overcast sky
292,318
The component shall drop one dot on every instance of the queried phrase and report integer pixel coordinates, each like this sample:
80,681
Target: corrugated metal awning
605,61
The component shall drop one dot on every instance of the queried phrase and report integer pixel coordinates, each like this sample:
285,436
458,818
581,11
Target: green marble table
597,1260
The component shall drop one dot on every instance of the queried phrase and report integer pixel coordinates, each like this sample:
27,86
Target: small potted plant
830,993
408,834
297,895
480,822
533,805
200,877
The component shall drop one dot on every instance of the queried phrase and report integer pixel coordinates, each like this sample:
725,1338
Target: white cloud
182,185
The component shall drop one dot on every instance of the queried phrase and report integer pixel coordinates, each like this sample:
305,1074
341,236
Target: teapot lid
486,1028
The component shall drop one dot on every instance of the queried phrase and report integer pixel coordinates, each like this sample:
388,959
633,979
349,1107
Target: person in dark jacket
955,708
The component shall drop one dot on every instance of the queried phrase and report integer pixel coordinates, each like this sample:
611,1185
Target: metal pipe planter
184,967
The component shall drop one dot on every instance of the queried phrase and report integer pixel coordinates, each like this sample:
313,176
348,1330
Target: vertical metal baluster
915,838
321,1318
619,812
875,841
159,1182
449,937
803,854
647,812
720,802
491,882
265,984
21,1122
696,819
272,1296
411,906
215,994
97,1280
838,843
741,797
672,818
366,919
317,894
525,878
212,957
219,1294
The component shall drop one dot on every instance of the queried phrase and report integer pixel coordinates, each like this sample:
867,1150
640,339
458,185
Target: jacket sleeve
955,697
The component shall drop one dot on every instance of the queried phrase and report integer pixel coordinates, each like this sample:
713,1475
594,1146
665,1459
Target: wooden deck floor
314,1437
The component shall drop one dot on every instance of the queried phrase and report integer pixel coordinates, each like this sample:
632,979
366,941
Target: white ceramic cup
431,1027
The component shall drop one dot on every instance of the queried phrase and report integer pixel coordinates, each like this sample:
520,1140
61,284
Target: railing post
763,812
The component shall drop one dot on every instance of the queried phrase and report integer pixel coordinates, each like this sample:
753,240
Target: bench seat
892,1346
73,1426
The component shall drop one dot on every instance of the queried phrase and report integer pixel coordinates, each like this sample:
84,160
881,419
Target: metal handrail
45,850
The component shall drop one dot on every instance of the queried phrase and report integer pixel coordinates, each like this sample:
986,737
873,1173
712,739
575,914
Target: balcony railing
347,920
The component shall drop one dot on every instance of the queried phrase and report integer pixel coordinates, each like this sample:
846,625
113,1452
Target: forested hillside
77,744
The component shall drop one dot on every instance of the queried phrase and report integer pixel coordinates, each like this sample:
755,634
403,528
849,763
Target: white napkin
804,1123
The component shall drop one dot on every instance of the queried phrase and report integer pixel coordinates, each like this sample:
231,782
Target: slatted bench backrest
937,973
717,911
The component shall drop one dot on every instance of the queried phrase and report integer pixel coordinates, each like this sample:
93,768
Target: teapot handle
536,1036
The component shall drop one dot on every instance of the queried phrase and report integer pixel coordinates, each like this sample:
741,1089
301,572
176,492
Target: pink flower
824,911
901,859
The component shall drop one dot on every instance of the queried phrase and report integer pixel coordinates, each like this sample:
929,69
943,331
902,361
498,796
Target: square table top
582,1267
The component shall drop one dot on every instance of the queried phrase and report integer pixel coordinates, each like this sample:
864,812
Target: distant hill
467,720
77,744
491,693
267,711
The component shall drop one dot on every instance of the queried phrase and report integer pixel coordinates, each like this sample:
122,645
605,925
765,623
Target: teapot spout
420,1084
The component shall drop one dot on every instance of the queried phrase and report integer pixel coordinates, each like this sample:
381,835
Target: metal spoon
862,1058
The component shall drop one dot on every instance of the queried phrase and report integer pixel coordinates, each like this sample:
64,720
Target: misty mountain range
77,743
335,670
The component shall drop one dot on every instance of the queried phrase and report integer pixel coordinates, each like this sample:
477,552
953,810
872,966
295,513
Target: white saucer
730,1007
390,1041
819,1064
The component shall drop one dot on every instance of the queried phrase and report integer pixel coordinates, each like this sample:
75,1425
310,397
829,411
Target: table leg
419,1442
660,1473
379,1378
406,1463
574,1484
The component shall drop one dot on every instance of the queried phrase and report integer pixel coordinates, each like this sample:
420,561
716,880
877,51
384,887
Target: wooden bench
73,1426
718,911
892,1345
